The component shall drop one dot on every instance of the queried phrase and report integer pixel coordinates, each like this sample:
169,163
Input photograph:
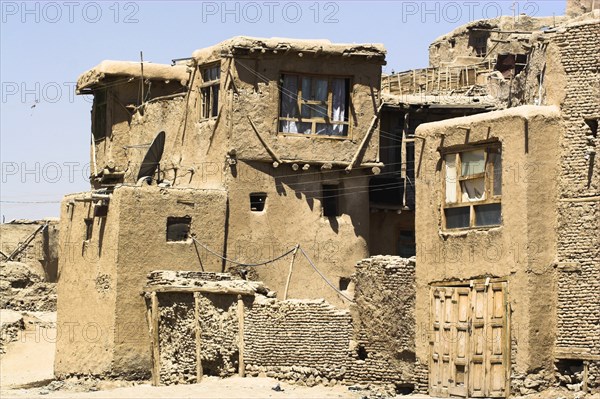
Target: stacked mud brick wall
298,340
579,208
303,341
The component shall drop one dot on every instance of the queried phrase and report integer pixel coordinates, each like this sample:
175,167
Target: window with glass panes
209,91
311,104
473,187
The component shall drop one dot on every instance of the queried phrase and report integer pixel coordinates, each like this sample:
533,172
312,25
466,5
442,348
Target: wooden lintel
201,289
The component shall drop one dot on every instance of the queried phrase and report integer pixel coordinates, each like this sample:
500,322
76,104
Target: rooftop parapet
242,45
130,70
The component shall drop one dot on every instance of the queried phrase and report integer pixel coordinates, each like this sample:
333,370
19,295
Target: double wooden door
470,341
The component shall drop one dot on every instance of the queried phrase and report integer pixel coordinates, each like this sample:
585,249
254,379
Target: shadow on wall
324,192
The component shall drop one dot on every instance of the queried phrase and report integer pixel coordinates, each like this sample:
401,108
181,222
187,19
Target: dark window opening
362,352
593,125
344,283
89,224
257,202
488,215
178,228
510,65
406,244
452,42
330,200
100,211
99,114
478,42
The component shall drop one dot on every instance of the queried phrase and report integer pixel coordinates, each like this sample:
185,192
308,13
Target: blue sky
45,128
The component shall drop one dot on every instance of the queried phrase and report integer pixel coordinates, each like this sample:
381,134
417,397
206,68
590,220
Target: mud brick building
210,174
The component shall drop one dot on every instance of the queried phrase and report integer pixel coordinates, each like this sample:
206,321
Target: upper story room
274,100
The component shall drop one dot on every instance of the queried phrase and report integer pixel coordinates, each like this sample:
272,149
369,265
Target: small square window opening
178,228
258,201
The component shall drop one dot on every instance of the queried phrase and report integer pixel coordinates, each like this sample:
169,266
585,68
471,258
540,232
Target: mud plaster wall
293,215
522,250
86,291
579,222
42,252
110,270
384,321
257,84
195,149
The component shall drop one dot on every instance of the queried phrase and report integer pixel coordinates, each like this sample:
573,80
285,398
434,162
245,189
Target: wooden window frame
488,175
206,109
314,121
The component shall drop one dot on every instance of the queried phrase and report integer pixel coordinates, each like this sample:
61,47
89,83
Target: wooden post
289,278
240,312
155,341
199,370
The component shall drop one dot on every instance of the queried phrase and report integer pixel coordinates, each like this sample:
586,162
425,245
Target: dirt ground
26,370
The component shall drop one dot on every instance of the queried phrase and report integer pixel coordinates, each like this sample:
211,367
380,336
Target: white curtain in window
289,103
339,105
472,162
473,190
450,178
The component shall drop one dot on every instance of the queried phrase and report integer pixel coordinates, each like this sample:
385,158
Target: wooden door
469,343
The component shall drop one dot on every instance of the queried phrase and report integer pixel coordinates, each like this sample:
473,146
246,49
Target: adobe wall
196,148
259,95
522,250
293,215
110,269
87,274
573,62
302,341
458,45
41,253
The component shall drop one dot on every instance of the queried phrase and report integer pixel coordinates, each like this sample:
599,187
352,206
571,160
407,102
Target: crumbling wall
384,322
219,337
177,348
297,340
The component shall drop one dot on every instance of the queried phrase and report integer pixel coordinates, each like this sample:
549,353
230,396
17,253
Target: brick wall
304,341
579,222
297,340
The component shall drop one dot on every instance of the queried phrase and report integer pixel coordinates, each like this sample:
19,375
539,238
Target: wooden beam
155,341
365,139
264,143
240,314
199,370
201,289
